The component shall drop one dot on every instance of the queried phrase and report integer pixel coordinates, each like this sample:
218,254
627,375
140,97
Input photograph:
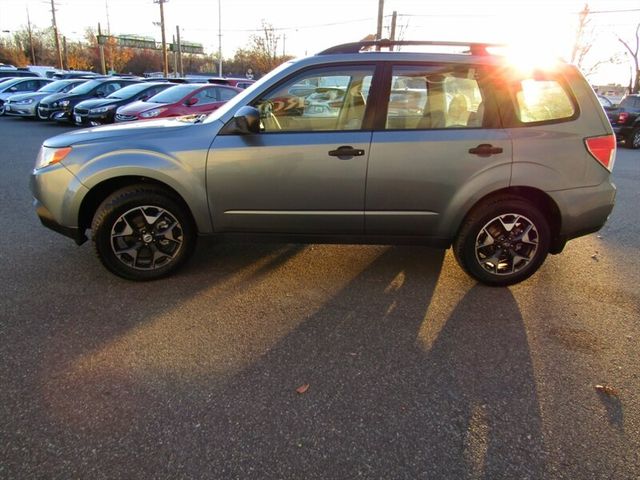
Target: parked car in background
325,102
59,106
75,74
625,121
98,111
20,85
26,104
185,99
16,72
43,70
232,82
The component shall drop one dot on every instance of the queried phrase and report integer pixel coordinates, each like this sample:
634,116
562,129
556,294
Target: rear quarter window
542,100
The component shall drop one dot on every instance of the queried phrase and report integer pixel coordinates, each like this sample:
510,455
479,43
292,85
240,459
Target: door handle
346,152
485,150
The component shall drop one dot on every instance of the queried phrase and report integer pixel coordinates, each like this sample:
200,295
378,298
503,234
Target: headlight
26,101
152,113
48,156
102,109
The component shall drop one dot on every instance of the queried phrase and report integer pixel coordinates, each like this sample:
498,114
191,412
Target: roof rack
356,47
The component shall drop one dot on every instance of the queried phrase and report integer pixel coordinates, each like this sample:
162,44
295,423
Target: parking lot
413,369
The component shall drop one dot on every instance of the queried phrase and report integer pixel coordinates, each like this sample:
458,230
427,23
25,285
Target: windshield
174,94
54,87
85,87
240,98
10,81
128,92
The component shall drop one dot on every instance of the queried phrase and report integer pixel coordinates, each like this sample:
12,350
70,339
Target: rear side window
542,100
427,97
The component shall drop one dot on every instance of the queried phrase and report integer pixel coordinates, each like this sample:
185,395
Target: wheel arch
537,198
102,190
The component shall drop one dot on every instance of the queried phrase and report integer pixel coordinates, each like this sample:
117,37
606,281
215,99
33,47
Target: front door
305,172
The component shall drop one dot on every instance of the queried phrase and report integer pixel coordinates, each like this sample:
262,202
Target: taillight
622,117
603,149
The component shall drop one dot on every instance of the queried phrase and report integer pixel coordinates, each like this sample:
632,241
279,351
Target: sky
308,26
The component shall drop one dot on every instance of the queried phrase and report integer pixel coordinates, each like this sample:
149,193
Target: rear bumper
585,210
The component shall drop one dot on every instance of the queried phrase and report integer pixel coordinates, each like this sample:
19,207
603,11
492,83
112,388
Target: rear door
305,172
437,147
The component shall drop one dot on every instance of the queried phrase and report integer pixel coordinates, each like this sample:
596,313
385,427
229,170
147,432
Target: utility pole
55,33
64,53
380,15
101,48
106,6
284,44
394,17
220,38
175,58
180,66
165,57
33,54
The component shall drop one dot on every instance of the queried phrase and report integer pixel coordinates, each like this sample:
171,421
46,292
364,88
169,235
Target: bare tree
633,51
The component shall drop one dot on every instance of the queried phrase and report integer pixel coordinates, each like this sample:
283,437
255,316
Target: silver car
26,104
501,164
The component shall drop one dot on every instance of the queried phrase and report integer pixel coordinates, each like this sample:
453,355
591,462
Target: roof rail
356,47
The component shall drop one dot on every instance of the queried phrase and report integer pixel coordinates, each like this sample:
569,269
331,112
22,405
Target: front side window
429,97
323,99
541,100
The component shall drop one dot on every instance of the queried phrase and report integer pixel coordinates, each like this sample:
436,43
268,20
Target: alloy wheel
506,244
146,237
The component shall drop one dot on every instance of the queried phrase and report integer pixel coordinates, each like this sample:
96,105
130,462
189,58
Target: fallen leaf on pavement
607,390
302,388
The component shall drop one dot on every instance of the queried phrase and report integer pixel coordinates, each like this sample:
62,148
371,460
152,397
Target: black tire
633,139
133,244
484,237
1,108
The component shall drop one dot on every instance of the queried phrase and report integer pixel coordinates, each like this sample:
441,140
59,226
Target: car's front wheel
502,241
143,233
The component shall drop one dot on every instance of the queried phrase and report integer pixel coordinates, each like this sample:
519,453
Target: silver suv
445,149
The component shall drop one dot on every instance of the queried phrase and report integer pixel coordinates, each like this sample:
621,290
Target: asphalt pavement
408,368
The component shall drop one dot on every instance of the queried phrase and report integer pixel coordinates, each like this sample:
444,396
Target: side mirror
246,121
191,101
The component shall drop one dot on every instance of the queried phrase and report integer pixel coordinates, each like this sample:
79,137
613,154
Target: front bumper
57,198
17,110
47,112
92,119
46,218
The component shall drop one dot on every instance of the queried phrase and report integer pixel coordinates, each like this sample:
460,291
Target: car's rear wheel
143,233
502,241
633,139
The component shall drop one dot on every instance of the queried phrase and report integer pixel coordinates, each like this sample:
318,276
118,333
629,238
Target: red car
184,99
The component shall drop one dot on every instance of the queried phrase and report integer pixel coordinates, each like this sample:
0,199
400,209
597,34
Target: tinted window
174,94
542,100
208,95
85,87
226,94
129,91
340,104
55,87
434,97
